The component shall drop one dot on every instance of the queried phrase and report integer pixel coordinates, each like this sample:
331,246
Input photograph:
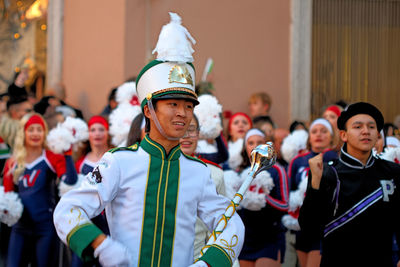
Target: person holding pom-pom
320,140
261,210
32,171
98,144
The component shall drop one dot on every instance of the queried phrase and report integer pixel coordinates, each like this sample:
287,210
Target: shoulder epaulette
133,147
193,158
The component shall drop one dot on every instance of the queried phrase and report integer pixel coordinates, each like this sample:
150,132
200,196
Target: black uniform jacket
355,211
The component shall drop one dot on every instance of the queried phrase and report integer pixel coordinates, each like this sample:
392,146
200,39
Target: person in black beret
17,107
353,202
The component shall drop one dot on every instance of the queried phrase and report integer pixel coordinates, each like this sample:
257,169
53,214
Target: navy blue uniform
355,211
34,234
298,170
264,233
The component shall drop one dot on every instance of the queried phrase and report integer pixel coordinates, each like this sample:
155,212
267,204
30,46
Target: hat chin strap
158,125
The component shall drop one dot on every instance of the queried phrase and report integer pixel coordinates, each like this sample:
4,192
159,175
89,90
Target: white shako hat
172,74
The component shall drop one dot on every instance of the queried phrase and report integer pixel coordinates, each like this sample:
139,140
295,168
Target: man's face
20,110
174,116
361,134
257,108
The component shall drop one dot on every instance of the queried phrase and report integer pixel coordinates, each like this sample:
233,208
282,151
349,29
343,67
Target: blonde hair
19,150
263,96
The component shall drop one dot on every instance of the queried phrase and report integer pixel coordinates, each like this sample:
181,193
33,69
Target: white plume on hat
175,42
11,207
293,144
208,113
122,116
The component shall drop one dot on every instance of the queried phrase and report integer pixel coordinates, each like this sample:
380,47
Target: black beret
14,100
360,108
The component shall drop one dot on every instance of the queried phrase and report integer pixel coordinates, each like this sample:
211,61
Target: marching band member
152,192
353,202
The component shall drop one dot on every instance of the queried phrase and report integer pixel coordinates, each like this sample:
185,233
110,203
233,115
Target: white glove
112,253
199,264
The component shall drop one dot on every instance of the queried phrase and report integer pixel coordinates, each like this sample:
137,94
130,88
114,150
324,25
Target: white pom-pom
208,112
290,222
235,150
126,93
391,154
293,144
60,139
64,188
174,42
11,207
296,197
78,128
261,185
204,147
232,183
120,122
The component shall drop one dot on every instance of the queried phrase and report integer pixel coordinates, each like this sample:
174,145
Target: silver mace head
262,157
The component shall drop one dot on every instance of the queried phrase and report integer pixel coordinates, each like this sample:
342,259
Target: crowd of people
329,199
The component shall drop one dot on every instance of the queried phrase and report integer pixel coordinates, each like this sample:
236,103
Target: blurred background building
305,53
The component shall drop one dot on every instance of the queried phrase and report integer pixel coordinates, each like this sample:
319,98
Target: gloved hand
112,253
199,264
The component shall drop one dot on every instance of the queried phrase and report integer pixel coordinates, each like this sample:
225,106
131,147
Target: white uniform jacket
151,201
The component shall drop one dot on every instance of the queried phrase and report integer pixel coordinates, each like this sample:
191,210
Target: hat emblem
180,74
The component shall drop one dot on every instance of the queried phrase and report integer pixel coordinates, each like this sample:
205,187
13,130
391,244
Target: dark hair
41,106
197,121
294,124
342,104
135,132
131,79
112,94
246,161
12,101
386,128
263,119
147,120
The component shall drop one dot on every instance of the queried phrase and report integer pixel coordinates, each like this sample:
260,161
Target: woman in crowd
262,208
32,171
238,125
99,143
332,114
319,141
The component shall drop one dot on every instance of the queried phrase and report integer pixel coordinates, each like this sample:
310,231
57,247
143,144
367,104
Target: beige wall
249,41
